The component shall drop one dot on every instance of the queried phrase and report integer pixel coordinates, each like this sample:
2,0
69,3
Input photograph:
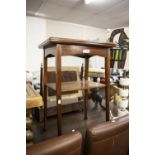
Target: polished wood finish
41,79
86,90
76,50
76,85
33,98
52,41
107,76
85,49
58,87
45,89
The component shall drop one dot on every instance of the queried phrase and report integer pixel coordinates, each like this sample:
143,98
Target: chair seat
66,99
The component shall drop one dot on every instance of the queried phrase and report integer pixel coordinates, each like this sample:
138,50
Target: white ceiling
102,14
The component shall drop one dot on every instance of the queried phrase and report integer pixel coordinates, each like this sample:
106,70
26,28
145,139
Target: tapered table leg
45,91
86,90
58,88
107,77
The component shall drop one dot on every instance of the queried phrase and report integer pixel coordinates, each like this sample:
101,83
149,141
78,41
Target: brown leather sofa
110,138
68,144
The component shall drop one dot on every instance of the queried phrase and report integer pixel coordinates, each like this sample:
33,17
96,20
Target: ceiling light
87,1
92,1
109,30
40,14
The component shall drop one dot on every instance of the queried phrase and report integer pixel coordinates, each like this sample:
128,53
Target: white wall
35,34
40,29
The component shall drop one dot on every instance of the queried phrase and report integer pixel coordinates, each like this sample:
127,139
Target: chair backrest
68,144
110,138
68,74
66,69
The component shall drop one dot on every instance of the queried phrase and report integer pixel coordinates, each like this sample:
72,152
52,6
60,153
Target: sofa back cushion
68,144
110,138
68,74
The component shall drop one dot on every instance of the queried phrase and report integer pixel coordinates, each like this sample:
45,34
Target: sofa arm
62,145
109,138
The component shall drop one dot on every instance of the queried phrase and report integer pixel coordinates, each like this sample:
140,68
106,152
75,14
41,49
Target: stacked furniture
57,47
124,96
96,73
121,97
33,100
71,101
119,54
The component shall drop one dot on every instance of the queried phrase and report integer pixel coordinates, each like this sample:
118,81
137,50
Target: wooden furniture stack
71,101
124,95
33,99
58,47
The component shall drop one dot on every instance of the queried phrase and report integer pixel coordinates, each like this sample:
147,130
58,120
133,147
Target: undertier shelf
76,85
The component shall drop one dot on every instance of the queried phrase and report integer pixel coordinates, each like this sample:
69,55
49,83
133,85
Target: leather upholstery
68,74
68,97
68,144
71,100
110,138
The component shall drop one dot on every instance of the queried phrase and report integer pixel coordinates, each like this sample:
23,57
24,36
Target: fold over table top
52,41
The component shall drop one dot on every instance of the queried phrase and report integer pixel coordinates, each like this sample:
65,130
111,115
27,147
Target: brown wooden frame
57,47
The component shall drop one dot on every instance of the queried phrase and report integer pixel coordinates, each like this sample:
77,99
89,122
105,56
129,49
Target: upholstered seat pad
67,144
66,99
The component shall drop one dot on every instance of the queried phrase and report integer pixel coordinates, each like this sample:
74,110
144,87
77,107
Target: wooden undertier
77,85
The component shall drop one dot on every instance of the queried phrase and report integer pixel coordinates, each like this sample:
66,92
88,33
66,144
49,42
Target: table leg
45,106
45,91
107,77
58,88
86,91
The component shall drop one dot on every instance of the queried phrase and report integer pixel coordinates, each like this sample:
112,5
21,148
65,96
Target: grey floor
73,120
